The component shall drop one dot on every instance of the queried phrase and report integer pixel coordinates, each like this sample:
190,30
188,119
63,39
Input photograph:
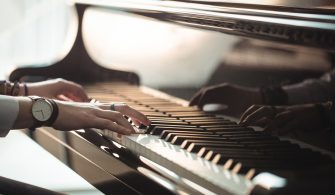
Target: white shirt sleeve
312,90
9,109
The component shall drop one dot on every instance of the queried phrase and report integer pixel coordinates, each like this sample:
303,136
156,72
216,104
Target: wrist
273,95
23,89
257,97
324,110
24,118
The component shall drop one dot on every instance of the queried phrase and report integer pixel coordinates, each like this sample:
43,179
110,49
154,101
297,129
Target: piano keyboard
211,152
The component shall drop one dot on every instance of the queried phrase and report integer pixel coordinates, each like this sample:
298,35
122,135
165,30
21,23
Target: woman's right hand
73,116
79,116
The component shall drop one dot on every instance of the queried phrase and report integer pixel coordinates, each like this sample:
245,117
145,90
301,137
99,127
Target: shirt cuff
9,109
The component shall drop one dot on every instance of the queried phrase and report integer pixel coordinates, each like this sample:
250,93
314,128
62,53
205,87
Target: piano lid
310,24
325,6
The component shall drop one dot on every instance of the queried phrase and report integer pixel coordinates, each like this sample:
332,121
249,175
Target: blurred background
39,32
168,57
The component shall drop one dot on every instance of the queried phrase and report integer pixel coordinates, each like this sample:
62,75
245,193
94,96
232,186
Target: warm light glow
116,155
155,50
117,144
269,180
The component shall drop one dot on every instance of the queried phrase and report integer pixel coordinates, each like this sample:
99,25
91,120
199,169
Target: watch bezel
39,101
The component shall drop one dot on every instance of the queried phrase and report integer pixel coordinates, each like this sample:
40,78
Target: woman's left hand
283,119
58,89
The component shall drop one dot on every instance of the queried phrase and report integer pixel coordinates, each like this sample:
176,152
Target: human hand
136,117
58,89
237,98
283,119
74,115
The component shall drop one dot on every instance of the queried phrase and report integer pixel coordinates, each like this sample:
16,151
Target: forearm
312,90
9,109
24,118
309,92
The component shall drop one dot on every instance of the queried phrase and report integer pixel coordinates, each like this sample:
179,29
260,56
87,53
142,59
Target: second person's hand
237,98
283,119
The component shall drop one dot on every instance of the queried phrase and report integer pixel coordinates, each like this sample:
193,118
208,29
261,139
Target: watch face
42,110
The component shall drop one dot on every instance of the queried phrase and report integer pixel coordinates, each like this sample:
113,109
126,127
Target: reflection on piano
187,150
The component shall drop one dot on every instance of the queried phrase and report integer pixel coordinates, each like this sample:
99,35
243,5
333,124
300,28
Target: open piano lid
304,23
308,6
309,24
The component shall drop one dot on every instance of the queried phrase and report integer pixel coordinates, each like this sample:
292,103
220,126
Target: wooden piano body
114,169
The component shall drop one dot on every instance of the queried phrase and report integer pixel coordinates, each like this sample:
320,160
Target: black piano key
201,118
176,109
255,154
250,138
230,129
188,141
212,118
210,123
206,140
264,164
178,140
165,119
189,114
165,133
157,114
196,145
171,136
251,160
159,129
219,126
168,123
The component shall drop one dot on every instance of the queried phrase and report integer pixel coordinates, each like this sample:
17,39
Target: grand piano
187,150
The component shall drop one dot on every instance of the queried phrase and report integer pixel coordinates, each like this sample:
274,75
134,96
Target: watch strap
54,114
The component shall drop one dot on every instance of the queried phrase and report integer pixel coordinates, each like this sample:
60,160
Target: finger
116,117
208,96
73,97
195,99
262,122
64,98
76,91
132,113
110,125
136,122
261,112
279,121
250,110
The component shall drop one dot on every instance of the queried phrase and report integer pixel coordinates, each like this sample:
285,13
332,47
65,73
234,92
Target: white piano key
187,165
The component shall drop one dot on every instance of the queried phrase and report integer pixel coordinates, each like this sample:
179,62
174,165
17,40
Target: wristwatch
44,111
